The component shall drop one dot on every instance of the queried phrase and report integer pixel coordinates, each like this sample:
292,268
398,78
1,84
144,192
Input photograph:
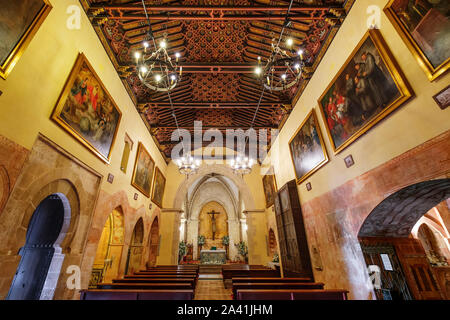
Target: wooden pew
191,281
292,294
162,273
96,294
145,286
269,279
183,267
275,286
228,274
167,276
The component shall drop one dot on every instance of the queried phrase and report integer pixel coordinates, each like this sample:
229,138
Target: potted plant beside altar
182,250
243,250
200,241
226,243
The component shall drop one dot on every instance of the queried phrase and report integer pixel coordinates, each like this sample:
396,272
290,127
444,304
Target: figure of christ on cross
213,223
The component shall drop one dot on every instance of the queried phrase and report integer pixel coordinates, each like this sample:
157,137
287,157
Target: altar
215,257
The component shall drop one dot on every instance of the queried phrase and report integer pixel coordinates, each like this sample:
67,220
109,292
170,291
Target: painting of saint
87,111
143,170
19,21
366,89
159,183
270,189
307,148
424,25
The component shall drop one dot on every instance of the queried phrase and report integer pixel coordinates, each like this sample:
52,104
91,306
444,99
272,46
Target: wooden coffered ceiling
219,42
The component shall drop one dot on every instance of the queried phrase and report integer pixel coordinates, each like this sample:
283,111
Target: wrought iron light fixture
188,165
242,165
283,69
155,67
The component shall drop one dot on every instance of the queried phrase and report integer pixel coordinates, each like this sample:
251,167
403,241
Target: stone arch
217,169
153,242
135,248
69,196
396,215
227,189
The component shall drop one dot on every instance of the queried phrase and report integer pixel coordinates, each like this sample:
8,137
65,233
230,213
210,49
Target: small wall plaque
443,98
110,178
308,186
349,161
135,196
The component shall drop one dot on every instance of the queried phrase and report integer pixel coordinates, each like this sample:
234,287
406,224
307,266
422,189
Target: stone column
256,236
169,236
192,236
235,236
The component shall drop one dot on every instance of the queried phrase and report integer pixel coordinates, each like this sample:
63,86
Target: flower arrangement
242,249
182,249
201,240
276,258
226,240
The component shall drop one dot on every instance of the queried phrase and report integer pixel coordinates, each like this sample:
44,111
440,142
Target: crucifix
213,223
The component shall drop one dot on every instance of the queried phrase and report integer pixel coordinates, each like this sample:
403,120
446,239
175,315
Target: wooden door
294,250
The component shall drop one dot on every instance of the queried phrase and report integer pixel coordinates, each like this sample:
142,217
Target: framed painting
307,148
159,183
368,87
424,26
143,171
270,188
19,22
87,111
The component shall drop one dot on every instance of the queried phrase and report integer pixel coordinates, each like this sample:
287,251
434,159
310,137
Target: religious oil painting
159,183
307,148
19,22
270,188
368,87
424,25
86,110
143,171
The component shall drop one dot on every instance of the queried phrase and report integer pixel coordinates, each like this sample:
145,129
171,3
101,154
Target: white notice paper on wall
386,262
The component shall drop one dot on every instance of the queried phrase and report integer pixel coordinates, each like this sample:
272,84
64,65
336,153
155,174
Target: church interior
225,150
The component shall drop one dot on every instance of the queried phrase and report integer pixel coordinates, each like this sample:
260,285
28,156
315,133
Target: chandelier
241,165
155,67
283,69
188,165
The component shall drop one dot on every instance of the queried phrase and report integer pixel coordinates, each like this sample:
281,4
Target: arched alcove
135,249
220,191
41,257
386,241
109,250
153,243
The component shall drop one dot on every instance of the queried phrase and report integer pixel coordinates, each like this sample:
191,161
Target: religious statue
213,223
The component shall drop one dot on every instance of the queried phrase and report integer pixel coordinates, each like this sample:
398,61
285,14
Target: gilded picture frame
313,150
270,189
432,71
159,184
144,167
21,43
395,83
86,110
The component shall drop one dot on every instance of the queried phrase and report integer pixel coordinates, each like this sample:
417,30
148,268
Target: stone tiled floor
211,290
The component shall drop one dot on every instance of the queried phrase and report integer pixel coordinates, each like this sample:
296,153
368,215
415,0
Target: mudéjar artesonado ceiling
219,42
